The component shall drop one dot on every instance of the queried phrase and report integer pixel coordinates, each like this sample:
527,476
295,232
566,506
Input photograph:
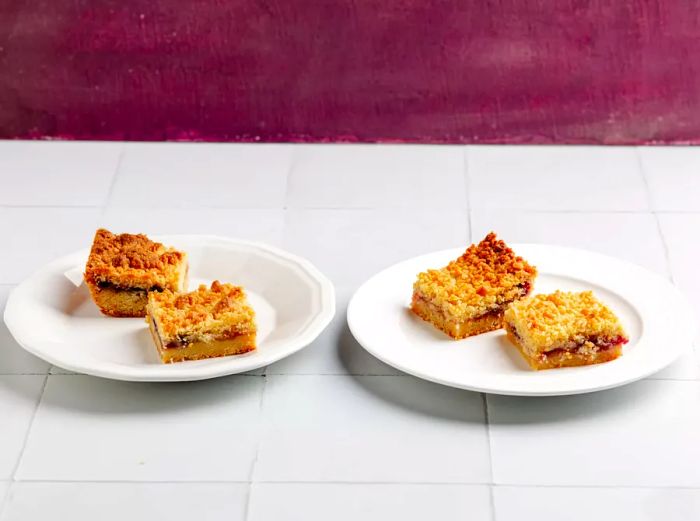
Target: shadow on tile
518,410
25,387
92,395
424,398
14,360
356,360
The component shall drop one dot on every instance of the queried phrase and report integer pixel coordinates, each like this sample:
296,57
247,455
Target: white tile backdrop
29,501
376,502
331,432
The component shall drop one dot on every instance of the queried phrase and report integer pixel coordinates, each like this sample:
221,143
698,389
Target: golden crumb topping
485,277
562,320
204,314
134,261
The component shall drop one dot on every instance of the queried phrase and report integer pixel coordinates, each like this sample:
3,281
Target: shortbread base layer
560,357
200,350
118,302
456,329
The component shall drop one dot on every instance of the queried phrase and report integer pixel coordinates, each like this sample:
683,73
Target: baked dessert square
469,295
122,269
206,323
564,330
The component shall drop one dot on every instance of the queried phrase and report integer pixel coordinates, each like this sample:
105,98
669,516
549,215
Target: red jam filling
602,343
525,286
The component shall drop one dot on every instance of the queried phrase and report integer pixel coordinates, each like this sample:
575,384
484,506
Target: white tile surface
370,176
371,429
56,173
132,501
321,502
4,488
348,447
555,178
257,225
14,359
351,245
586,504
214,175
335,351
94,429
672,174
19,396
643,434
633,237
680,231
33,237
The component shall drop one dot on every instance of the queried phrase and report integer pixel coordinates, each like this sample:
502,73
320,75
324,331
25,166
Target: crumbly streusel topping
203,314
562,320
485,277
133,261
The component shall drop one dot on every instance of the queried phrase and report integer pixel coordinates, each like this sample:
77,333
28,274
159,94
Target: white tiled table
332,433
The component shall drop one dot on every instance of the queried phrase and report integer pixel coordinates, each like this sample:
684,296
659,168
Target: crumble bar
470,294
205,323
122,269
564,330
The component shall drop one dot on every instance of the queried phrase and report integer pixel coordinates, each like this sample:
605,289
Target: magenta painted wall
574,71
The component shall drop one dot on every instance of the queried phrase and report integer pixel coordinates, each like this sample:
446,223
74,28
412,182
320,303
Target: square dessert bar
564,330
205,323
470,294
122,269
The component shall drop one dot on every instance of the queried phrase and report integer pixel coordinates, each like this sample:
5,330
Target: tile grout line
29,429
467,187
433,207
113,182
599,487
585,211
5,498
254,464
473,484
137,482
287,178
25,374
235,375
338,374
645,181
664,245
285,218
324,375
487,424
246,511
492,502
49,206
346,208
654,213
251,476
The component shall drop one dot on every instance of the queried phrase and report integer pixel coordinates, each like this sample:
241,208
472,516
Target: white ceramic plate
653,312
52,316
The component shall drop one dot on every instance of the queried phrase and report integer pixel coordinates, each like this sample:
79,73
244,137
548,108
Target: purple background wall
351,70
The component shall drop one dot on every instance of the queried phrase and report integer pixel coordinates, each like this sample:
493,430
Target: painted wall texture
469,71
